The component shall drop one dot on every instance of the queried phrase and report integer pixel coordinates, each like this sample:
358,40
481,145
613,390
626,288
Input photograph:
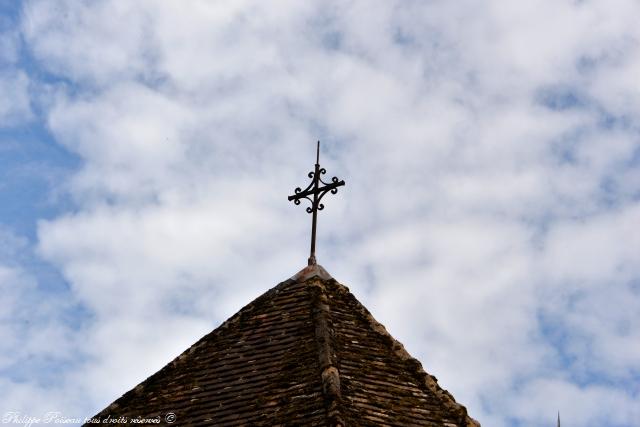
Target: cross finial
314,189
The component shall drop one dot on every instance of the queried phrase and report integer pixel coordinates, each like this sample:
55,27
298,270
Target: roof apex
310,271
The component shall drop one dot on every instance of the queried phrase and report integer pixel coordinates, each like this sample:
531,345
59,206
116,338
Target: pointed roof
304,353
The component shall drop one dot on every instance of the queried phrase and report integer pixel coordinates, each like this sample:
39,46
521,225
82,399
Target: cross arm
300,195
331,186
309,192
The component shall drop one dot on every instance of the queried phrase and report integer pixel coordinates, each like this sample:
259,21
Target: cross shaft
317,191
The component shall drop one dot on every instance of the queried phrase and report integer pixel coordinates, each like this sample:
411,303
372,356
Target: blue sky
491,153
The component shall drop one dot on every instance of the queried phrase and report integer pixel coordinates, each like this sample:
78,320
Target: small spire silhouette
314,189
558,418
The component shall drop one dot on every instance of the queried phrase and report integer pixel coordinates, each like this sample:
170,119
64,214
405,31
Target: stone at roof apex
311,271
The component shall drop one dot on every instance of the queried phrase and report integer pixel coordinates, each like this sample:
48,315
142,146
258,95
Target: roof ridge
327,357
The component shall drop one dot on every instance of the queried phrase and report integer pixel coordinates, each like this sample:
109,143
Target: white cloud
35,341
101,50
578,405
490,153
15,103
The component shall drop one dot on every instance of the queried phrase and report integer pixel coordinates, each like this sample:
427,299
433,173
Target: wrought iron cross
314,189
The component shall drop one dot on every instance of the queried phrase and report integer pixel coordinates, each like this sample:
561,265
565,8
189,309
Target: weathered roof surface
304,353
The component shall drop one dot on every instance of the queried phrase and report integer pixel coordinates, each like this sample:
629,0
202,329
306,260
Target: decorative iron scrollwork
318,192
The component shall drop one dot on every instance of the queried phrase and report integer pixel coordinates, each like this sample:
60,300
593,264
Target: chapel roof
306,352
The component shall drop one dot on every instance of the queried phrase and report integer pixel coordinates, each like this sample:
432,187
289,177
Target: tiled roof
304,353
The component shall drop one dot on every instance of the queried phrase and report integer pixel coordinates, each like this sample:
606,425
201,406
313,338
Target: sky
491,153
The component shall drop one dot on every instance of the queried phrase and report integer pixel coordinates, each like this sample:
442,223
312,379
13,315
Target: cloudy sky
490,220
